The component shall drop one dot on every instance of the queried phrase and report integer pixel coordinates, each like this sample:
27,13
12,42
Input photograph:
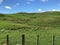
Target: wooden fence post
53,39
23,39
7,41
37,39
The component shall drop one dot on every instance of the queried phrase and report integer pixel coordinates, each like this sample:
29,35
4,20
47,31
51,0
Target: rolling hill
43,24
30,20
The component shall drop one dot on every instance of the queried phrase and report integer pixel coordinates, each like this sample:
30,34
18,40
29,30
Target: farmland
31,24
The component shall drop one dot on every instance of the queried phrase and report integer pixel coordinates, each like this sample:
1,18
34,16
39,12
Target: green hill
31,20
31,24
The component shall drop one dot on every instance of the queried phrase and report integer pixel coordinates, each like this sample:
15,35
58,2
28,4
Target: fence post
23,39
53,39
37,39
7,40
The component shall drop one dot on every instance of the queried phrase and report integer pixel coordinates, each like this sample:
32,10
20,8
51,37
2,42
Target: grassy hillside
46,19
31,24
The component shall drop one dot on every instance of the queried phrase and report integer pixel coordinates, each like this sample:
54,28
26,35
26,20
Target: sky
15,6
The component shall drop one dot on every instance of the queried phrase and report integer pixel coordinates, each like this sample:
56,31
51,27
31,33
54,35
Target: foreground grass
31,36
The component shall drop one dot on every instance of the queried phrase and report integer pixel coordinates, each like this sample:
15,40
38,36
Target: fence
23,40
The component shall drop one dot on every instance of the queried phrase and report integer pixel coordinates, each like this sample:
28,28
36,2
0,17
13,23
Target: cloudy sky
14,6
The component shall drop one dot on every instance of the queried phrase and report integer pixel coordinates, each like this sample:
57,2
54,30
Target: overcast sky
13,6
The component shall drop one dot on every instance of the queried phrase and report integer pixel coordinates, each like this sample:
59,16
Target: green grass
31,24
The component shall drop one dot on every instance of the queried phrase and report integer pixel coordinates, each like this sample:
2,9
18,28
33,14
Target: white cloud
1,1
17,4
8,7
58,4
44,0
39,10
54,10
30,1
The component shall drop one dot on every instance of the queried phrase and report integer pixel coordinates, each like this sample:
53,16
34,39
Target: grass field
31,24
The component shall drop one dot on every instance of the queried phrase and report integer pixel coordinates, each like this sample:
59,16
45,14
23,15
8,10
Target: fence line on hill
23,40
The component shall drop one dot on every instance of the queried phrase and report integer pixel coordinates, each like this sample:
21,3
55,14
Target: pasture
31,24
